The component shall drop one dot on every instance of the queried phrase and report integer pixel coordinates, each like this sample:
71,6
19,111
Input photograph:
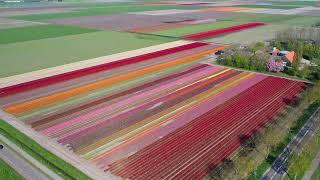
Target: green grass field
13,35
8,173
102,10
17,58
57,165
249,36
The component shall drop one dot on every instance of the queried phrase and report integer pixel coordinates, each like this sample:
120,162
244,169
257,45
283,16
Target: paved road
278,168
23,163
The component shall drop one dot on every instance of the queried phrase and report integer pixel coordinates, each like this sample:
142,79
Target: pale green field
17,58
264,33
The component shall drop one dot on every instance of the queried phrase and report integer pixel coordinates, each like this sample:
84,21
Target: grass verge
276,150
300,162
8,173
316,174
57,165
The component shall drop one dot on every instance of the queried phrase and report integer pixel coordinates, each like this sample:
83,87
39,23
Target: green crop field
249,35
102,10
13,35
17,58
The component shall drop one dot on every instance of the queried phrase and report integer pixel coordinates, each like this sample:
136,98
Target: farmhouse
286,56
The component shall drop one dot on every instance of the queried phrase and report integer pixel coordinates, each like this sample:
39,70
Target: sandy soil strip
21,78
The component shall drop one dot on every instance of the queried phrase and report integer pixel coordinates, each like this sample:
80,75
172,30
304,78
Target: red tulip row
93,69
206,34
188,152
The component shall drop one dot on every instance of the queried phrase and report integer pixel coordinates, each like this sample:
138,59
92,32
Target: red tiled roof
290,56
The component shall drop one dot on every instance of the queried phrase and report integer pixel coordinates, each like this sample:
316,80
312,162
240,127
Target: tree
246,165
277,44
259,61
241,60
297,56
304,72
229,61
254,47
314,73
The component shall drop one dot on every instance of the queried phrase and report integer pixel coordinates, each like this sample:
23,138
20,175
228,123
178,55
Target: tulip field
132,89
172,116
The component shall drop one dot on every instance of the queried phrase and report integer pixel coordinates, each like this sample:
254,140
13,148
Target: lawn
17,58
62,168
103,10
8,173
13,35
